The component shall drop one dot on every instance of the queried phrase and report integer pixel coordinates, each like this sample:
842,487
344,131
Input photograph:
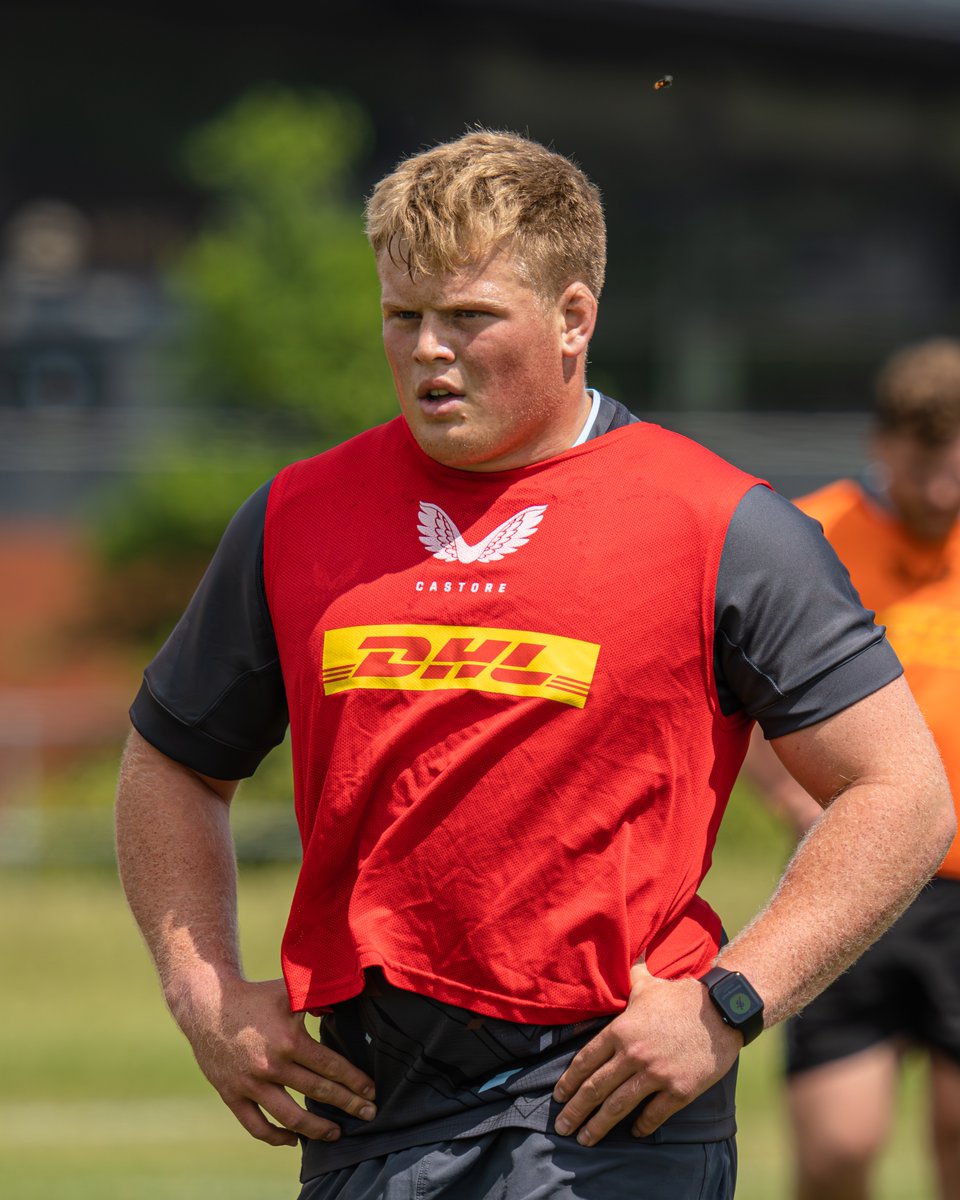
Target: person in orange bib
898,533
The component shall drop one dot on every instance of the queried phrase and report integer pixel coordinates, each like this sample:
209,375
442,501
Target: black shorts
515,1164
907,985
445,1075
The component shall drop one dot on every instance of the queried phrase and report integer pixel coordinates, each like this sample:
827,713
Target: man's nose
432,344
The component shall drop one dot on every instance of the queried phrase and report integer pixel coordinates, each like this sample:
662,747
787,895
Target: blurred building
74,370
780,217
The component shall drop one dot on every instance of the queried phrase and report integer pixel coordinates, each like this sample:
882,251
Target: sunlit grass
102,1099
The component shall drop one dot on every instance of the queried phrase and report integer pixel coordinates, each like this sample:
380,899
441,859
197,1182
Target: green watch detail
736,1000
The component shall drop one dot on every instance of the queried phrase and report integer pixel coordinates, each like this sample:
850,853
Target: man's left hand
669,1043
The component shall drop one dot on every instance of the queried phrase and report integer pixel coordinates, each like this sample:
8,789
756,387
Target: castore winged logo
444,541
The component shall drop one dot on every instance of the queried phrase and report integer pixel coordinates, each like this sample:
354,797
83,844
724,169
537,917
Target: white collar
591,417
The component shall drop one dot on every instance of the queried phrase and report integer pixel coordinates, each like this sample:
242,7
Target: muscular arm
777,787
177,867
888,822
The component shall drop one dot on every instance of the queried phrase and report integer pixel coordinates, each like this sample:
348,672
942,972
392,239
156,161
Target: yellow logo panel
431,658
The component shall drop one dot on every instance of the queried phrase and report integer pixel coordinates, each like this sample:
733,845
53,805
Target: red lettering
461,650
380,664
522,656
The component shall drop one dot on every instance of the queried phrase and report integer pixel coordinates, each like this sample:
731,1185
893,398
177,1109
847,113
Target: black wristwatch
736,1000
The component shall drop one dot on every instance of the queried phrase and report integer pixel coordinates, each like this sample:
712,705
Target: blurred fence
795,451
45,454
53,460
33,835
37,725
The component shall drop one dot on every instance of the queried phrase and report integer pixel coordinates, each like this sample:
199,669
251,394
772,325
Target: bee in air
664,81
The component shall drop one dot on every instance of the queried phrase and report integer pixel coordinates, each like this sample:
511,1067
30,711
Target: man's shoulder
373,449
690,465
647,468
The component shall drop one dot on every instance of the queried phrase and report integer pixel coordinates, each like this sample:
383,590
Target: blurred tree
155,534
278,352
280,290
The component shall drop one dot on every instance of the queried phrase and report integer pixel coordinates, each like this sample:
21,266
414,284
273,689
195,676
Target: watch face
737,997
739,1003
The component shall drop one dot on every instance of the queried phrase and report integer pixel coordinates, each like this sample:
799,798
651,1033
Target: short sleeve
793,644
213,697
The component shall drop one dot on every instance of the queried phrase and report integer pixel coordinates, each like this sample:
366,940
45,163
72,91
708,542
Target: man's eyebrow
457,304
472,302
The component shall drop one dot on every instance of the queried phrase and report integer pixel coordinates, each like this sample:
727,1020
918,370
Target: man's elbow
948,827
940,821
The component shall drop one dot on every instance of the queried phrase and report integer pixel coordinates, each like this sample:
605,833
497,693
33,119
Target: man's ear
578,308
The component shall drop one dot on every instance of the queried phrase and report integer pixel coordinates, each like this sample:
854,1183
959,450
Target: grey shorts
520,1164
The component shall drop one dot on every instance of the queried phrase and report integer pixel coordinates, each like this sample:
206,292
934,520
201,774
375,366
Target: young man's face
482,365
923,483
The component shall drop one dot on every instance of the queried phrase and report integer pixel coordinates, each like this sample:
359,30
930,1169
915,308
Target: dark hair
918,392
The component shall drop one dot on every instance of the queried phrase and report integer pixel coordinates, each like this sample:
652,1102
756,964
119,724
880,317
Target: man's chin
446,442
453,446
931,530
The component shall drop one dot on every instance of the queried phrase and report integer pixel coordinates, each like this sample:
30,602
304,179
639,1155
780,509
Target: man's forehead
906,447
495,274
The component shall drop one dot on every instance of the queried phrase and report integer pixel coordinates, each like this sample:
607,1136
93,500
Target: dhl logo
427,658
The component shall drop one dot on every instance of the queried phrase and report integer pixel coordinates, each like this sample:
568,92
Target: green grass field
101,1099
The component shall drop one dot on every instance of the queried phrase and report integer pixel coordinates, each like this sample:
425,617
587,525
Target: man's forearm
179,873
857,869
177,866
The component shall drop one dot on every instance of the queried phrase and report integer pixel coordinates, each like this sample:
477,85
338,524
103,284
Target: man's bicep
881,739
145,770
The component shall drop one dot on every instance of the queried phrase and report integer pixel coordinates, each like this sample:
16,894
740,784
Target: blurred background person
897,531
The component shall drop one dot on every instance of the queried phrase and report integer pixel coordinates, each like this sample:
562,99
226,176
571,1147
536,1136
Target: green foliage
89,783
175,513
278,353
280,289
155,534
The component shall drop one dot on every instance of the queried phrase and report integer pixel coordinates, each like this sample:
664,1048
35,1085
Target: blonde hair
460,202
918,392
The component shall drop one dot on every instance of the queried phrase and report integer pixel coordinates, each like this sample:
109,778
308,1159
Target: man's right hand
177,866
252,1049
